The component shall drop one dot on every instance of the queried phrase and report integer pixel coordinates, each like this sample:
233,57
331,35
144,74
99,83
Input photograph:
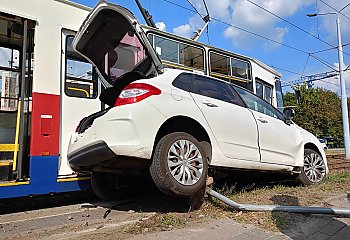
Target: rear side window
183,81
214,89
81,79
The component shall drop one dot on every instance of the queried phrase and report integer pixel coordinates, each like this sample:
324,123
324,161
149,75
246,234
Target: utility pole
344,103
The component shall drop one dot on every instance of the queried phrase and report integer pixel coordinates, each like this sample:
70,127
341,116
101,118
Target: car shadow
234,181
37,202
145,198
307,226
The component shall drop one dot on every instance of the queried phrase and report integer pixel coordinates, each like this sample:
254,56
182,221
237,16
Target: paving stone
244,236
319,236
279,237
259,233
333,228
343,234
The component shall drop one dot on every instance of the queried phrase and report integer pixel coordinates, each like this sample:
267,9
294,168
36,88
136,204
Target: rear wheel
314,170
108,186
179,166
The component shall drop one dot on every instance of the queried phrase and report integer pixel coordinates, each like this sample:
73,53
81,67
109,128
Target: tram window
268,94
219,64
259,89
81,80
9,79
167,50
191,56
279,95
240,68
150,39
263,90
9,58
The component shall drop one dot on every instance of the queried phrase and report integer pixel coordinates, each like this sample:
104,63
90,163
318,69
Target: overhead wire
331,83
285,70
307,60
318,33
256,34
194,8
336,9
208,35
271,40
206,8
292,24
325,50
344,7
205,5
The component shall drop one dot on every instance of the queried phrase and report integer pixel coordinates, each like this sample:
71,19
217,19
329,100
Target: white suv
175,123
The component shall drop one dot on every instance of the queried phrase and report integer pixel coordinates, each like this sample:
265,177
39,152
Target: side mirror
289,114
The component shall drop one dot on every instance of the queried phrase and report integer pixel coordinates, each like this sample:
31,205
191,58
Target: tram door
16,51
79,95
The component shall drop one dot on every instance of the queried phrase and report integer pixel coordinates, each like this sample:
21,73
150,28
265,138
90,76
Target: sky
284,38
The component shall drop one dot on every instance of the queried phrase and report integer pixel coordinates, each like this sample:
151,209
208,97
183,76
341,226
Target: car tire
175,170
106,185
314,169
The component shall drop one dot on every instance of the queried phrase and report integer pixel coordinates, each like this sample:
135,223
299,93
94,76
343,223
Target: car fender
309,138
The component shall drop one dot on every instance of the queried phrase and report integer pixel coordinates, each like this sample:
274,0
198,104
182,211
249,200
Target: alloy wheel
185,162
314,167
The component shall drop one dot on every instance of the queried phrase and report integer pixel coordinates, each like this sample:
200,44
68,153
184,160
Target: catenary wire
258,35
334,9
307,60
344,7
292,24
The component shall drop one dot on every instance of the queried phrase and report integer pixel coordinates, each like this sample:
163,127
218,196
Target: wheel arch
187,125
312,146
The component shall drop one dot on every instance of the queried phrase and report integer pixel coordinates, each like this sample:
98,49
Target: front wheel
179,166
314,169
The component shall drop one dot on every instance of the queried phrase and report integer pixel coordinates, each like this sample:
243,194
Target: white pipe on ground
275,208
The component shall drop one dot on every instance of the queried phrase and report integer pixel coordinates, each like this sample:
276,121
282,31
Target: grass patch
164,222
340,177
280,194
276,194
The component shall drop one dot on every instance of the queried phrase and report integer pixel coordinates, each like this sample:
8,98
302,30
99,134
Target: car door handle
209,104
262,120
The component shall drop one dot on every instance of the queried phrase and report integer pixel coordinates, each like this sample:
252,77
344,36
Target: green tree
319,112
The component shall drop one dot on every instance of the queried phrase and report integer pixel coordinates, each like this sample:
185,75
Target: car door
232,124
279,142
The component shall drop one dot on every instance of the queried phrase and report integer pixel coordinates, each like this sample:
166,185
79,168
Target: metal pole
344,104
274,208
22,128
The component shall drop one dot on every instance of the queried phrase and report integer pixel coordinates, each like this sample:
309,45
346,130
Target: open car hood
112,39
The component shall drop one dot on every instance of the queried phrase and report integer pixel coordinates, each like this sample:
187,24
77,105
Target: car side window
214,89
255,103
183,81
